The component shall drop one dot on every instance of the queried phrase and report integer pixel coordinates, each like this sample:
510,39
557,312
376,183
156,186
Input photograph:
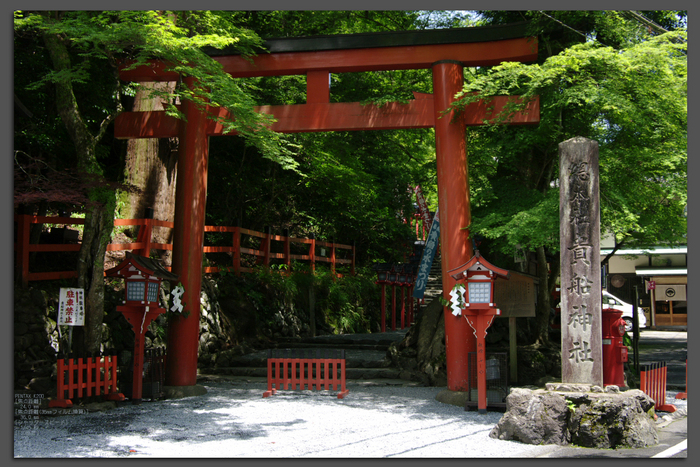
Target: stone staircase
434,287
366,357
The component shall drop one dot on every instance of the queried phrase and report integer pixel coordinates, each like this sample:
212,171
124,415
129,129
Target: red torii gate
446,52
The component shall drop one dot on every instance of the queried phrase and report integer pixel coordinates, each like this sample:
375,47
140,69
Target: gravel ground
234,420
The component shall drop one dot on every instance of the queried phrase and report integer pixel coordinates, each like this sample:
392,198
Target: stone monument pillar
579,233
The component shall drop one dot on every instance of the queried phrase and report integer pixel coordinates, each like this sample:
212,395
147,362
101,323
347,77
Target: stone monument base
579,414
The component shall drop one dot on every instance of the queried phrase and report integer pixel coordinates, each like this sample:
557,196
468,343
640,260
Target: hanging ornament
177,293
457,299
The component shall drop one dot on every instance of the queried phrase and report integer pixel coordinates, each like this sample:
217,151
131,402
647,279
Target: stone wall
35,342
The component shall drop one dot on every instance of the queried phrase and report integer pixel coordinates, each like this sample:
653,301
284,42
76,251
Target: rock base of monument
579,414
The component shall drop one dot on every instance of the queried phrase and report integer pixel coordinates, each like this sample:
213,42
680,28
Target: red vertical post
318,87
188,240
80,384
90,373
453,202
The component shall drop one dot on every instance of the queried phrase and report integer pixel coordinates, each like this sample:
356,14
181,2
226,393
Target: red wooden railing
305,373
144,244
652,381
85,377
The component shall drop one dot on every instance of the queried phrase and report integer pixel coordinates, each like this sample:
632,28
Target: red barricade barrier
652,381
305,372
85,377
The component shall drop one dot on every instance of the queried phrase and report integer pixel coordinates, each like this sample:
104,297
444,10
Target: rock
612,420
178,392
589,418
101,406
534,417
458,398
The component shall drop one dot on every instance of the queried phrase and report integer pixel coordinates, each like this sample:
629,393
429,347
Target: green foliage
179,40
346,301
347,304
632,101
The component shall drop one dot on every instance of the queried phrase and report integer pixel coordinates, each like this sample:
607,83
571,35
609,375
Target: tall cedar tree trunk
99,216
151,166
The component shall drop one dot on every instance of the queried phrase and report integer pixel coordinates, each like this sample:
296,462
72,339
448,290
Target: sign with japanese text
579,235
71,307
426,262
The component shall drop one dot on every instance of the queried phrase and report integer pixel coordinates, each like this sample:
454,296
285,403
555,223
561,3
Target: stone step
332,345
353,359
350,373
334,342
365,355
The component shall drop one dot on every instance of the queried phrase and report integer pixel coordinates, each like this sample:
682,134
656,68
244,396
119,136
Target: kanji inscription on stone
579,234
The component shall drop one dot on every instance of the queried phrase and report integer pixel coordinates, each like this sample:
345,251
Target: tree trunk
99,222
99,217
151,165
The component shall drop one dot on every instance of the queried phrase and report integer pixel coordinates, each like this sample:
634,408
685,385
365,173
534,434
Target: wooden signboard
516,297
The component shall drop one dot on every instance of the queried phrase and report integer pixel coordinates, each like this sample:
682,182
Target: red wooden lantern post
476,304
141,306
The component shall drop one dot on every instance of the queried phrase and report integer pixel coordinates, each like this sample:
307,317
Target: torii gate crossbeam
446,52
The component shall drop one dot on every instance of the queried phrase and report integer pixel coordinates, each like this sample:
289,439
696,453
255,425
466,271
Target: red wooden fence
85,377
305,373
144,244
652,381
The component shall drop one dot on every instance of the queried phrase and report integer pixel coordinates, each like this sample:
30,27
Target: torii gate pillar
188,242
455,217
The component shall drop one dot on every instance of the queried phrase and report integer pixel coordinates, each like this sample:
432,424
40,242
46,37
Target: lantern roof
477,263
146,265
